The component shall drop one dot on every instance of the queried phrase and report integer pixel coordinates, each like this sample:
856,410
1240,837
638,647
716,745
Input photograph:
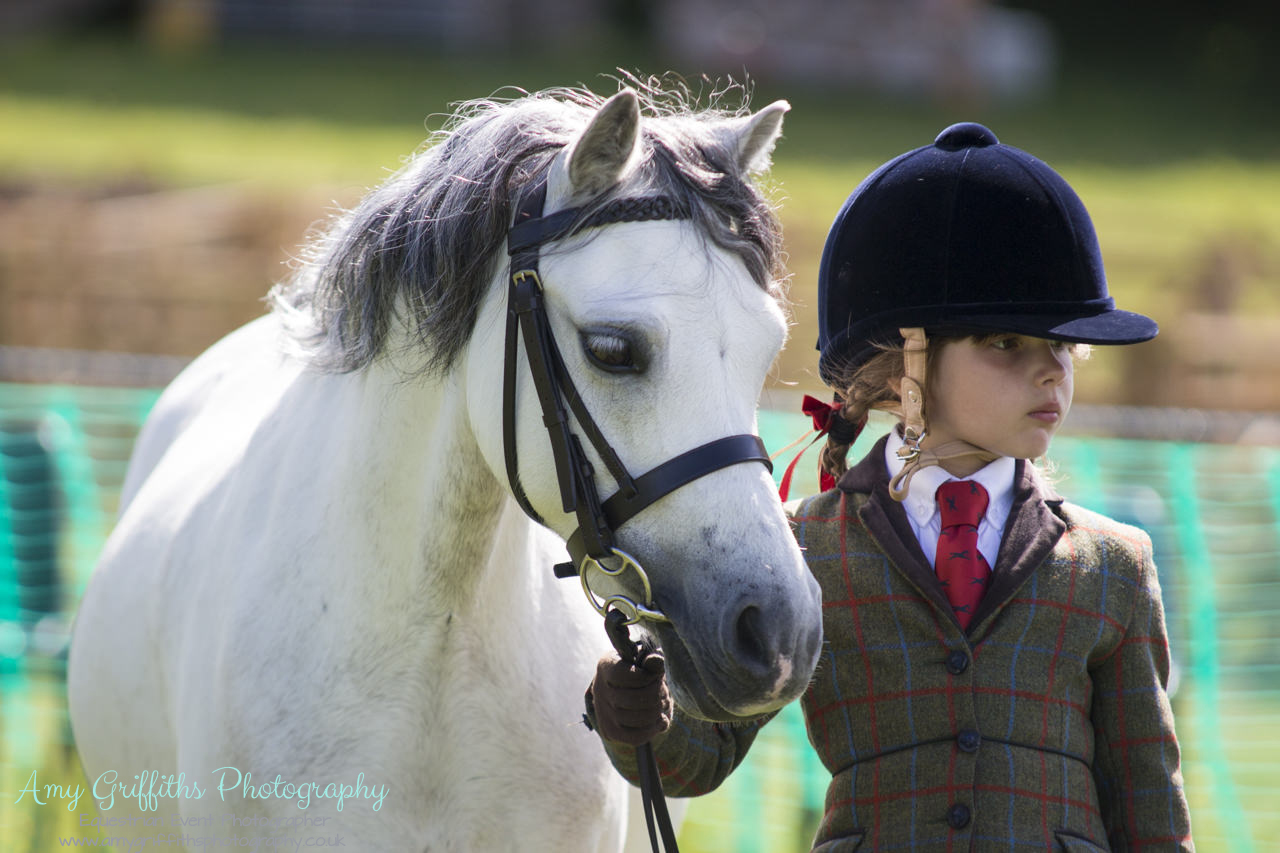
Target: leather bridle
592,544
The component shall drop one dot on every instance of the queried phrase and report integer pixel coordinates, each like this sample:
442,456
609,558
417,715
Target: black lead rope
656,816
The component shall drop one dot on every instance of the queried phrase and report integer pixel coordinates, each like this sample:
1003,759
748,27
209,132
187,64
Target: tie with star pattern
961,569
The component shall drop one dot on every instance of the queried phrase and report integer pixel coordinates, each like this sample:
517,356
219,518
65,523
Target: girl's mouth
1049,414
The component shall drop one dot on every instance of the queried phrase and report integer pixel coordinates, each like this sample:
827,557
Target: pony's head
667,328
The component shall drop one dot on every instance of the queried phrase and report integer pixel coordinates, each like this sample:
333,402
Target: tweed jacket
1045,726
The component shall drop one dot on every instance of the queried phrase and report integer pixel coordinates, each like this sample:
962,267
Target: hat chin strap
914,358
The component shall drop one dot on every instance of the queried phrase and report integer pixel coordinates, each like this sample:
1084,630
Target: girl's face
1004,393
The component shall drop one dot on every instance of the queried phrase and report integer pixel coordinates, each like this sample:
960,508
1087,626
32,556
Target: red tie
959,564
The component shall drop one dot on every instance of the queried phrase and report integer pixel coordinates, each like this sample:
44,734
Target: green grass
286,99
75,140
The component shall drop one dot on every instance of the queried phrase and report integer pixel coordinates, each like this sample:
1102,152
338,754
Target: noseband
591,545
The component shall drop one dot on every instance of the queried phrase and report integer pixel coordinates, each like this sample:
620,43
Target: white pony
320,579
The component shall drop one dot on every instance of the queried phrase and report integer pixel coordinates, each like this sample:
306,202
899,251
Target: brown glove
631,705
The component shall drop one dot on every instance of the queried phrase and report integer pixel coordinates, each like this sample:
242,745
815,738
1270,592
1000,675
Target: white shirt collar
996,477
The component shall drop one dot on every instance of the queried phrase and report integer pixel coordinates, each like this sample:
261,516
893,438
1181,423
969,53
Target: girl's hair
871,386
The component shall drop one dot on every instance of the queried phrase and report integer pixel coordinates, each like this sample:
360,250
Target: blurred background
162,160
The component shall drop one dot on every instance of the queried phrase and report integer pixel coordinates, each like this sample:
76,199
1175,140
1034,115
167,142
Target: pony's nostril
752,645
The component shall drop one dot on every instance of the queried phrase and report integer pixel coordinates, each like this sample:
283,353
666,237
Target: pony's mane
426,241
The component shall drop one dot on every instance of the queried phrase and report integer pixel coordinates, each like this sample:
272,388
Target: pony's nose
770,636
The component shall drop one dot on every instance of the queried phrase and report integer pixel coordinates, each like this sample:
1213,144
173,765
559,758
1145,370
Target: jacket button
957,662
969,740
958,816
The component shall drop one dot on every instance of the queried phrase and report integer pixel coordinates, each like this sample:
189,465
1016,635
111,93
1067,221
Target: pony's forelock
424,246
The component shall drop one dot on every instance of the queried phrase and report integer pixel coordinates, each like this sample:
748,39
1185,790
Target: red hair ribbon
823,415
821,412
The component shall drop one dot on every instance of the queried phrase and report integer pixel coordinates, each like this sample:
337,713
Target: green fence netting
1213,512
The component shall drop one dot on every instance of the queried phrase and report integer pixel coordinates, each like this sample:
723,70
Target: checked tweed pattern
960,566
1043,726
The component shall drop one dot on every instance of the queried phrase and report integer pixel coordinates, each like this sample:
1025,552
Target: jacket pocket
844,844
1076,844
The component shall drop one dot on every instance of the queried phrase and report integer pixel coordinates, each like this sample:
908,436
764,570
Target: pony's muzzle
767,641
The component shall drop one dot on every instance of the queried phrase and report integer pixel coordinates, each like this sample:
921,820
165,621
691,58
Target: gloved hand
632,706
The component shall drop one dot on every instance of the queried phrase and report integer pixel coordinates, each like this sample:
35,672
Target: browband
530,233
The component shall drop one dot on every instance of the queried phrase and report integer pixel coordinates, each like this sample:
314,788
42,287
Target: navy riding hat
965,233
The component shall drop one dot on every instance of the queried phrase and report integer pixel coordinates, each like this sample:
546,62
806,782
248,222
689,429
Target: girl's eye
610,353
1008,343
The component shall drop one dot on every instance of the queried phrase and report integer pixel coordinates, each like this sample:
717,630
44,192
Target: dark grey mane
426,242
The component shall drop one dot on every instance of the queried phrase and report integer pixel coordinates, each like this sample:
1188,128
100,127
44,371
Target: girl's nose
1055,362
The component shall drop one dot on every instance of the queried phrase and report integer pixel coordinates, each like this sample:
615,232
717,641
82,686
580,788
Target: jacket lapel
1033,528
1030,533
887,522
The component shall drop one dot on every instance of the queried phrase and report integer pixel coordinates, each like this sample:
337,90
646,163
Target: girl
996,660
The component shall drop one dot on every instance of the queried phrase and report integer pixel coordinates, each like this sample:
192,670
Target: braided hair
872,386
869,386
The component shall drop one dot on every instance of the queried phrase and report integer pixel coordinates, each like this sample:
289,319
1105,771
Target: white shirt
922,507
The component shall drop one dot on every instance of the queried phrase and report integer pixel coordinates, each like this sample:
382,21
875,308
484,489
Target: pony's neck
460,537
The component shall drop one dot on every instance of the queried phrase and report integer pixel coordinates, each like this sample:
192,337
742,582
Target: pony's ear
602,154
757,134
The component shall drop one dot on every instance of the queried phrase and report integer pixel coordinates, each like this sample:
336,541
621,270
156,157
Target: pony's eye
610,352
